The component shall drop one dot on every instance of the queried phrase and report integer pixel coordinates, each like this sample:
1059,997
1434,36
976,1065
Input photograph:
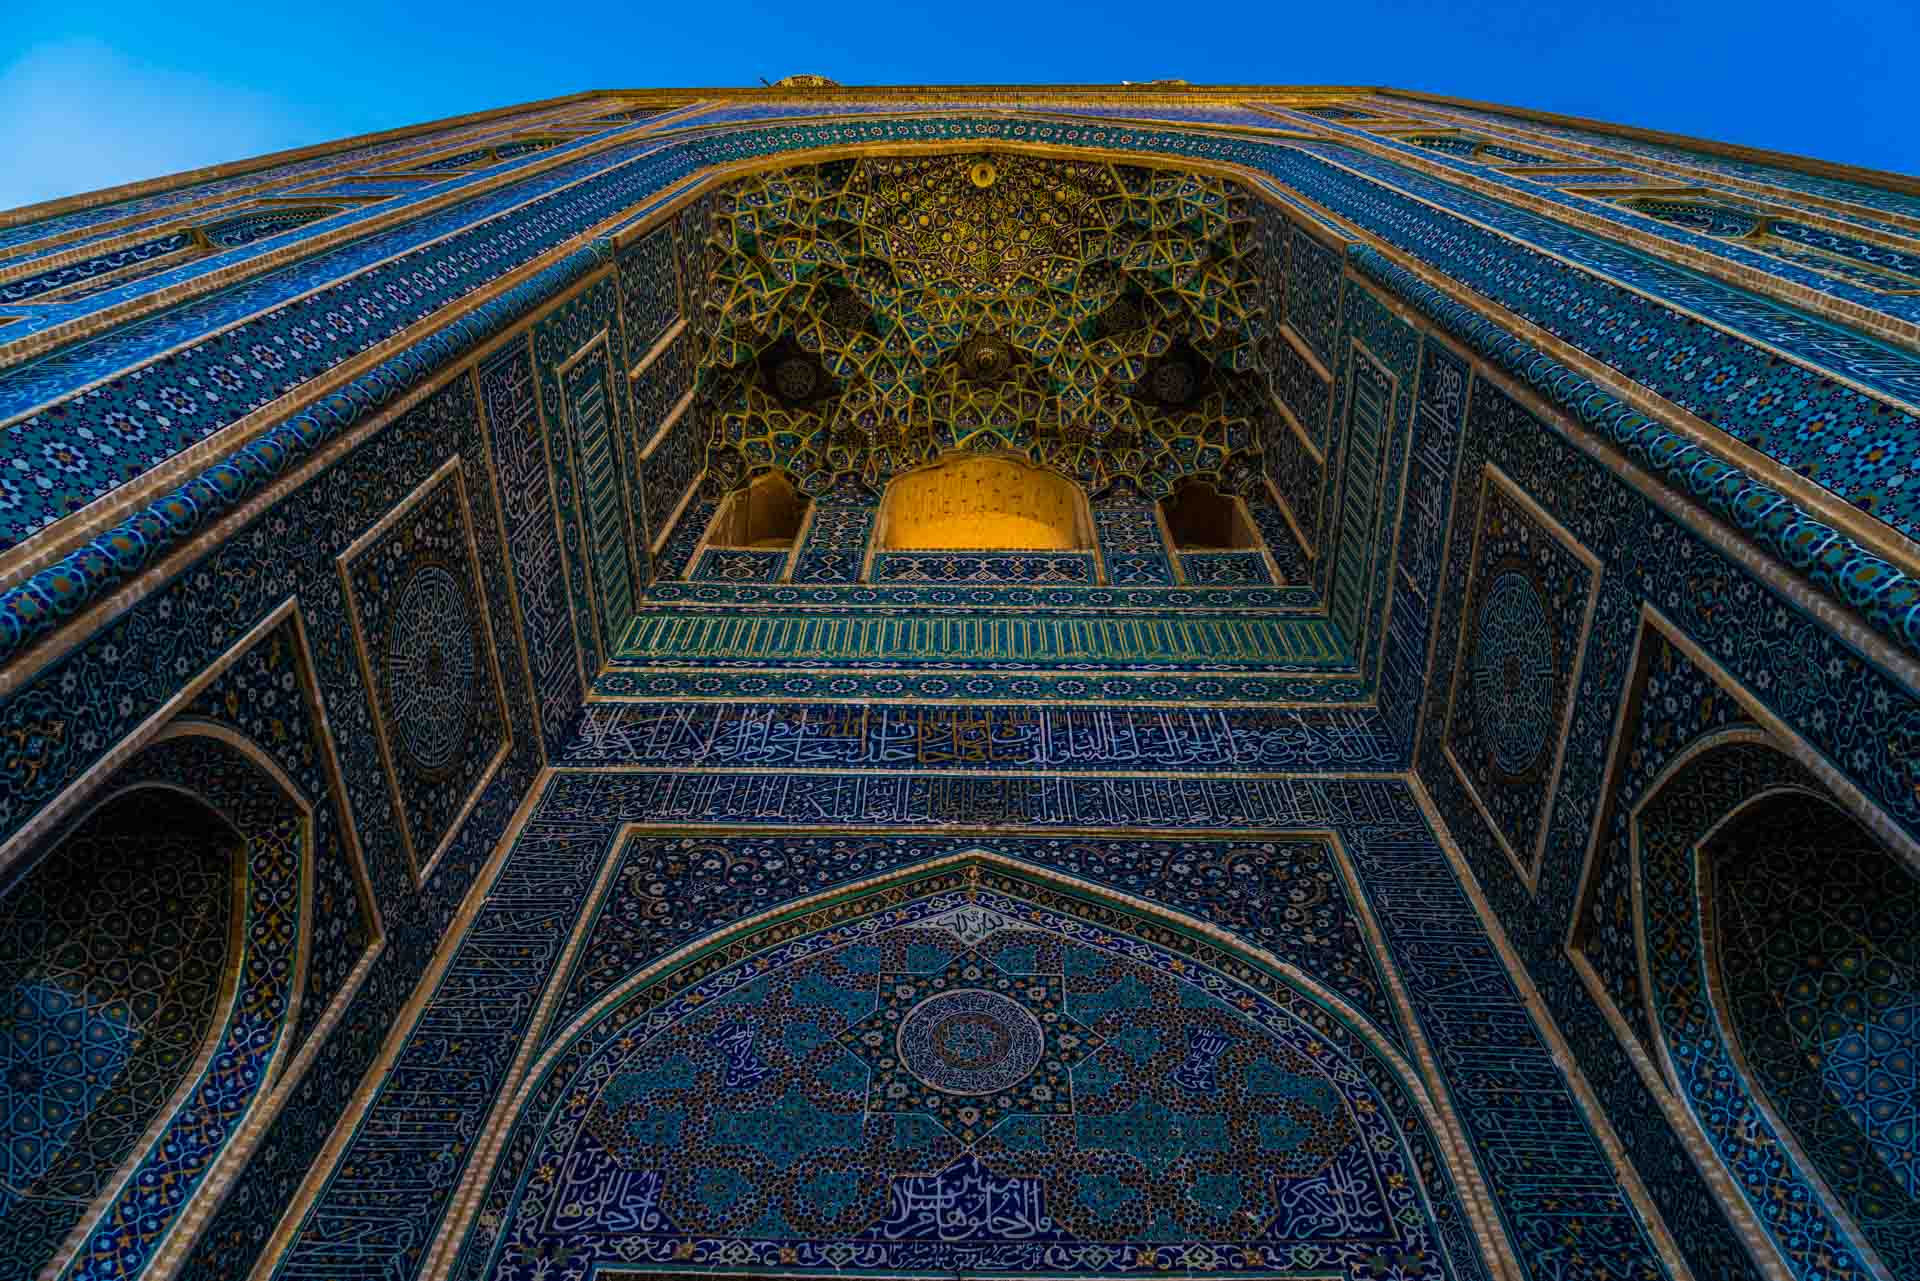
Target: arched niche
1815,936
1776,946
879,1077
150,953
116,963
1060,336
766,513
970,502
1201,518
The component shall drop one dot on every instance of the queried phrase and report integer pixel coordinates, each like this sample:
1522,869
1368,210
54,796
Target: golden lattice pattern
863,317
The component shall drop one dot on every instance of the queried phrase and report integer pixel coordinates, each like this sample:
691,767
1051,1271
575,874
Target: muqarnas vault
1102,681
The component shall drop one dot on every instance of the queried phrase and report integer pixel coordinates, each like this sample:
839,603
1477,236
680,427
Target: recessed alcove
1817,973
1201,518
984,503
766,514
118,954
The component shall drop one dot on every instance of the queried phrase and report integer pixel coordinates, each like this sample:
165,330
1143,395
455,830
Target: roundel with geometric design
971,1068
970,1041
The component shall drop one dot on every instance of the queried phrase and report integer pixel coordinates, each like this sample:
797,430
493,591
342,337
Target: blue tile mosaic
155,943
649,288
183,628
108,264
1767,645
1421,909
1131,545
263,696
532,533
1845,440
982,567
674,448
430,658
1859,193
1297,477
1311,178
1528,599
1142,1107
66,224
1282,544
361,204
834,549
814,1085
1314,279
1214,568
1820,969
677,552
116,429
741,565
588,409
591,523
1823,272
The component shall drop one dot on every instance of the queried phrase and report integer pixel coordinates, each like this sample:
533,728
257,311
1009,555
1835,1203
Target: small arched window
765,514
1882,268
1201,518
986,502
259,224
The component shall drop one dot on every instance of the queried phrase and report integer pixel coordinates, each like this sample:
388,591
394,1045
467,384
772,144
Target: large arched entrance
972,1055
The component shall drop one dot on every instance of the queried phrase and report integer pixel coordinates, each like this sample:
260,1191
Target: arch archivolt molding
1668,842
622,228
1688,955
544,1047
243,1071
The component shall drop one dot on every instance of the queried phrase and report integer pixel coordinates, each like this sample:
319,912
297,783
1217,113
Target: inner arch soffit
860,316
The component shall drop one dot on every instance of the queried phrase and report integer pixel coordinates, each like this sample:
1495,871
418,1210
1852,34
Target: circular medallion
796,378
983,174
985,358
1513,673
432,669
970,1042
1172,381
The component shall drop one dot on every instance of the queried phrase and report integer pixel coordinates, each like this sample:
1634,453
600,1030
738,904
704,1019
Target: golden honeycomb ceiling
863,317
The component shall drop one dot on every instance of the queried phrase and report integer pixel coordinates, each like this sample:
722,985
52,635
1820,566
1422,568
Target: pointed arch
979,502
974,894
765,513
1784,1151
170,1074
1201,517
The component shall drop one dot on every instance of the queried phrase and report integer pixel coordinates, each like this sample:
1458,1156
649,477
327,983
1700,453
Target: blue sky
112,91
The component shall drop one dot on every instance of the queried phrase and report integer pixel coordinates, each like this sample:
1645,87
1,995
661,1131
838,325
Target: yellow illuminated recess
990,503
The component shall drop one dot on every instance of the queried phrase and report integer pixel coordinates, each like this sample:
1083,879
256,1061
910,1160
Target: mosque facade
1290,683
